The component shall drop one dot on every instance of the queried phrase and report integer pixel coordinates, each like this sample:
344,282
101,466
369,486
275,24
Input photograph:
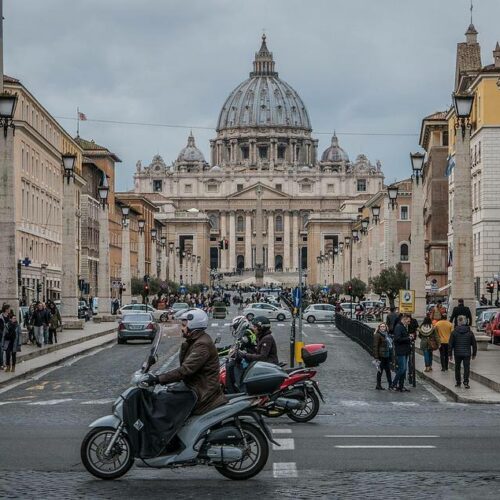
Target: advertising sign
407,301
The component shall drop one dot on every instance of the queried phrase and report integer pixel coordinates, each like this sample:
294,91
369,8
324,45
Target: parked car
480,310
319,312
370,304
484,318
137,326
268,310
158,315
273,300
347,306
178,306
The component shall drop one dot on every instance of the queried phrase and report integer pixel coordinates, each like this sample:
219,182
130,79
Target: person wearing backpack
11,342
429,342
437,312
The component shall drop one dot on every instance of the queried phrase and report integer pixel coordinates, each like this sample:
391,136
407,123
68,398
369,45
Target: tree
358,288
389,281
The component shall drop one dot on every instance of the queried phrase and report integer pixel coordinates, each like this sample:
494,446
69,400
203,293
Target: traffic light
146,289
490,287
349,288
38,287
221,244
226,244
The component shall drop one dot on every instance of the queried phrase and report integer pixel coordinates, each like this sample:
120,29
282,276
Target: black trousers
458,364
8,355
385,366
52,335
443,353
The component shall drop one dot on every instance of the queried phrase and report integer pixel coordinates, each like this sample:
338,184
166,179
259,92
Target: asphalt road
363,444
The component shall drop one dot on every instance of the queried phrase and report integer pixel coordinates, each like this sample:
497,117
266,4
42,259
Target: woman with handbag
429,341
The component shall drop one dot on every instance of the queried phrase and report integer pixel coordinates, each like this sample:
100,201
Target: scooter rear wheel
97,463
309,411
255,457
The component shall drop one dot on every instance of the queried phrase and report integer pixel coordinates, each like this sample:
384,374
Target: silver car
137,326
158,315
267,310
319,312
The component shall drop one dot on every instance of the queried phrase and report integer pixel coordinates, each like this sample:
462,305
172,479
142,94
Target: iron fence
356,330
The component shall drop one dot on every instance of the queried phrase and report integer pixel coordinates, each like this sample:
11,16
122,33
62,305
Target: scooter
298,396
233,438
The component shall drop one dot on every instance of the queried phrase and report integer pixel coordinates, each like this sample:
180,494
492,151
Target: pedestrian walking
54,323
464,345
461,310
382,352
444,329
402,347
429,342
40,321
11,343
4,321
436,312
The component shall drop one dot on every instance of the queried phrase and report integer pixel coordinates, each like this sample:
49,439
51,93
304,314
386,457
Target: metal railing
356,330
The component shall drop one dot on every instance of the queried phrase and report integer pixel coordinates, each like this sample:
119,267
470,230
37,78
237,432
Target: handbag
433,346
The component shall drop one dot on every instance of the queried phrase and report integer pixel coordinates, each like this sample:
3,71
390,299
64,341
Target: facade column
286,242
232,241
9,291
141,252
417,250
69,278
295,241
177,266
171,265
462,271
392,236
270,241
248,240
164,263
103,274
125,272
223,235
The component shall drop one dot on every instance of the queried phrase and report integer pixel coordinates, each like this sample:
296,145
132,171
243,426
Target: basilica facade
264,142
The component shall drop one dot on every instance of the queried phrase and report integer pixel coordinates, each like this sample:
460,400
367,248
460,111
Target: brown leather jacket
199,369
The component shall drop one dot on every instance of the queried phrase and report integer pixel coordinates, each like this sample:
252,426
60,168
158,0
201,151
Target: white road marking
335,336
50,402
227,324
377,436
7,402
438,395
305,334
281,431
404,403
98,401
284,444
214,324
285,469
280,324
321,326
169,361
385,447
354,403
307,325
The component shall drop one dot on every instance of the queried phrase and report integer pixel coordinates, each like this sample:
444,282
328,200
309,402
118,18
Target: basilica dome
263,100
190,153
334,153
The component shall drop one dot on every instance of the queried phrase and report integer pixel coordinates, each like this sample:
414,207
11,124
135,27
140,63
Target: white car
319,312
267,310
347,307
158,314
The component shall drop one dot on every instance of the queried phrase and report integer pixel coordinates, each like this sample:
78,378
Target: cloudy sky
362,67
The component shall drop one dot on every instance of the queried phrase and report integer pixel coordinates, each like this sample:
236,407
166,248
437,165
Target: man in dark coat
199,363
462,340
266,349
461,310
402,347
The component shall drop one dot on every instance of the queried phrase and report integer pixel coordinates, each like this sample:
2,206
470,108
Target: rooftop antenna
471,9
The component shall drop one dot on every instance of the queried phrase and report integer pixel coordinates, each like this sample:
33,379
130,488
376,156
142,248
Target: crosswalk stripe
284,444
321,326
215,324
306,326
384,446
50,402
227,324
284,469
379,436
281,431
280,324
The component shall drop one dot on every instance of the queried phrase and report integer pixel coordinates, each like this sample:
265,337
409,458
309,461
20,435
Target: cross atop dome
263,64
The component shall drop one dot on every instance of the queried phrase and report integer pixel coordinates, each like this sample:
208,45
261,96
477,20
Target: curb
62,345
27,374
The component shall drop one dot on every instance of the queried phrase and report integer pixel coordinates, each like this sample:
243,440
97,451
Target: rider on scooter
266,349
199,363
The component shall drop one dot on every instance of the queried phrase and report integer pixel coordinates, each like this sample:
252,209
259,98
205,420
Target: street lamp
376,213
7,108
392,191
355,235
340,247
163,241
69,161
141,223
364,225
417,165
347,241
103,190
125,213
463,107
154,233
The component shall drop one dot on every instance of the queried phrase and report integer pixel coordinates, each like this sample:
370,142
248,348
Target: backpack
436,314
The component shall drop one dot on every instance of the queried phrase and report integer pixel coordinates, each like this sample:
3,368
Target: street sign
205,289
26,262
407,301
325,289
182,290
297,296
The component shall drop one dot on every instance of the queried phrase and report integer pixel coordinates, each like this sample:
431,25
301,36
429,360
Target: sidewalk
70,343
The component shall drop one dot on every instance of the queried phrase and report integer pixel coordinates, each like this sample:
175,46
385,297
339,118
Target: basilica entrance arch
240,262
278,263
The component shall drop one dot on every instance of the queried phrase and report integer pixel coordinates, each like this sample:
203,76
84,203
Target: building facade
264,142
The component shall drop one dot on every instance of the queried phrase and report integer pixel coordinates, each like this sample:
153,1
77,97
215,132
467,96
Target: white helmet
196,319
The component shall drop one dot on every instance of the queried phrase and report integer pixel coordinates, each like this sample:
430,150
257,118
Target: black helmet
261,322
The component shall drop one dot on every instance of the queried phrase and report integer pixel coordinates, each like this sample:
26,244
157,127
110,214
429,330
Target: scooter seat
234,396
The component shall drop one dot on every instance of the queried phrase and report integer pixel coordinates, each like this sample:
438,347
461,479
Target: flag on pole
82,116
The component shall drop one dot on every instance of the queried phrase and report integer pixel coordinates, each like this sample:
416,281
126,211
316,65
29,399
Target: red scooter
299,395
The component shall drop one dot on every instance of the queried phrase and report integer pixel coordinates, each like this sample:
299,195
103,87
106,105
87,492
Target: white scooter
233,437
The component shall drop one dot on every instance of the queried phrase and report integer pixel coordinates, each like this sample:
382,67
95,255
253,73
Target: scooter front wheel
95,460
309,411
255,455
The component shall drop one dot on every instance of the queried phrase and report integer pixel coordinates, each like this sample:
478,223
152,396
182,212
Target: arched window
240,224
404,253
278,263
279,223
